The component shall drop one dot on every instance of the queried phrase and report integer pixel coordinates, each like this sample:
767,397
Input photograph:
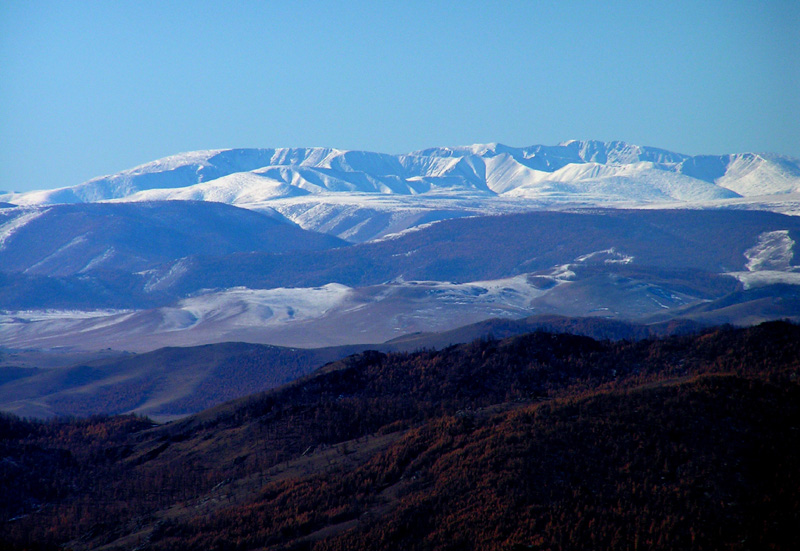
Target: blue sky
91,88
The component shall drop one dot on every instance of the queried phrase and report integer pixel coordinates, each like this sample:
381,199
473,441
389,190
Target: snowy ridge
750,174
356,194
483,168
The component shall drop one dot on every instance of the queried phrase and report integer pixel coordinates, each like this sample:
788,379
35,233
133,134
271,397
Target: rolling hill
71,239
644,265
174,382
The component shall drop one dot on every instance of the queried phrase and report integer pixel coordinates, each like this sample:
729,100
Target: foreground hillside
539,441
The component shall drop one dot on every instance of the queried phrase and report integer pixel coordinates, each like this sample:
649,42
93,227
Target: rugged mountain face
361,195
540,441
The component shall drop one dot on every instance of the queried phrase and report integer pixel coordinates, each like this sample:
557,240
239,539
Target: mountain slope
648,266
164,384
174,382
486,248
63,240
175,171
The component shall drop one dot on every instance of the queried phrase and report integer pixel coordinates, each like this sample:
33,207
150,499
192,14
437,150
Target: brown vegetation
535,442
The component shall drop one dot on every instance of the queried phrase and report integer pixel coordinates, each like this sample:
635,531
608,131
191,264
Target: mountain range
319,248
645,265
478,347
359,195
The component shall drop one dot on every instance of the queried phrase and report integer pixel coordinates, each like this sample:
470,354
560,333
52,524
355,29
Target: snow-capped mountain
195,244
360,195
113,264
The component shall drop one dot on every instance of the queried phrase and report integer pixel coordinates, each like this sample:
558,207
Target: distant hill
596,328
641,266
178,381
85,239
164,384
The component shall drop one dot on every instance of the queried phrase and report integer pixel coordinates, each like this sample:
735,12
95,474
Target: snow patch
8,228
98,260
30,316
53,257
769,262
752,280
772,252
607,256
515,292
241,306
158,281
561,273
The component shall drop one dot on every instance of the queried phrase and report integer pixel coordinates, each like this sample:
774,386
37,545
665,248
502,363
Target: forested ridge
540,441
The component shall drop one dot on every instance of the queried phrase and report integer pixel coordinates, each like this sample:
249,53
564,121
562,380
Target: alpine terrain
347,250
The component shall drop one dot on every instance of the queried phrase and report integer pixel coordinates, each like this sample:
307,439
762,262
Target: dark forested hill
539,441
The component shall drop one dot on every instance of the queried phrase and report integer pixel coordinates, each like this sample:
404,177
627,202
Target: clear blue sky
91,88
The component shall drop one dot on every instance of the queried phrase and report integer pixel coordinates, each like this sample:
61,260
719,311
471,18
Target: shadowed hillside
175,382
